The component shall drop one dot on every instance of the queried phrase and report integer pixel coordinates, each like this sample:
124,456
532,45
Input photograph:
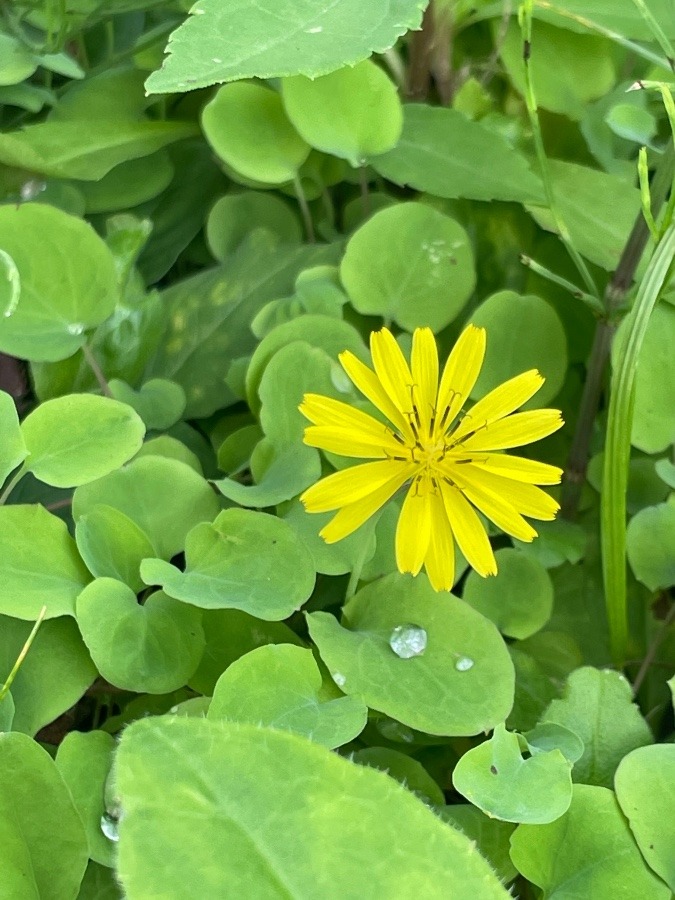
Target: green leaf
653,428
598,209
495,778
208,320
129,184
54,675
180,781
621,16
230,634
84,761
548,736
276,38
160,403
235,216
279,686
112,545
645,789
67,286
352,113
7,710
243,560
445,154
171,448
156,646
568,70
588,852
650,542
164,497
249,130
39,564
43,845
524,332
461,684
491,836
597,706
17,62
12,447
631,122
519,600
76,439
409,263
288,471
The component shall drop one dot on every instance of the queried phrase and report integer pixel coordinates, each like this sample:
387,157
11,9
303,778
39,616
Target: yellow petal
469,531
322,410
494,506
516,467
349,485
424,366
346,442
526,499
459,375
440,559
516,430
414,528
499,403
351,517
392,369
371,387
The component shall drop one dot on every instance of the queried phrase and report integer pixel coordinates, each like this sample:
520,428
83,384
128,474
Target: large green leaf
645,789
243,560
459,683
43,847
76,439
12,447
39,564
216,809
269,38
68,281
445,154
650,542
588,852
280,686
54,675
112,545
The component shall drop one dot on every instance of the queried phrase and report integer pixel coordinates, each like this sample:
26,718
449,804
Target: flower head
450,461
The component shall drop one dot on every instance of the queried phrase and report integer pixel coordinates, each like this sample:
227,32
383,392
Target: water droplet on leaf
109,827
339,679
408,640
75,328
464,663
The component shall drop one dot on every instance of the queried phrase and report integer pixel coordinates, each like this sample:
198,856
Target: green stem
659,35
11,484
533,112
617,447
593,302
367,531
304,209
22,655
97,370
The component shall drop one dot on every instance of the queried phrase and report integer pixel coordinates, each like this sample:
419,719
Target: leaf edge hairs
452,464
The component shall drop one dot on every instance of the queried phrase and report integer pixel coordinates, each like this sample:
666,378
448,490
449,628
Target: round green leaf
495,778
287,817
164,497
129,184
171,448
409,263
234,216
156,646
461,684
519,599
523,333
12,446
247,127
39,564
650,542
112,545
645,789
159,402
43,847
588,852
16,61
84,761
243,560
352,113
279,685
76,439
68,281
230,633
281,473
53,676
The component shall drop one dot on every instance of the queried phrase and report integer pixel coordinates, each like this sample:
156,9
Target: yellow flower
450,461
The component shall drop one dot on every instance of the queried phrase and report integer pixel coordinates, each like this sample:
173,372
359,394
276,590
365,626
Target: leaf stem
11,484
96,369
367,532
304,209
653,648
22,655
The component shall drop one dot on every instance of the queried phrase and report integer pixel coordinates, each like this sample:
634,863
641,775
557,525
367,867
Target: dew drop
339,679
75,328
408,640
316,30
216,59
464,663
109,826
31,188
